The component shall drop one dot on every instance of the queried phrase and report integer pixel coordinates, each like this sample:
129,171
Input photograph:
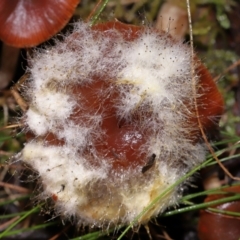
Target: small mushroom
27,23
214,225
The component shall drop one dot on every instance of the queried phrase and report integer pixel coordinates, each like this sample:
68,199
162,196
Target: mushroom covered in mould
27,23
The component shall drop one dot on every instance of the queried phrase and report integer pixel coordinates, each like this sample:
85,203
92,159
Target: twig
21,102
4,153
6,224
227,70
23,105
12,126
93,11
14,187
96,16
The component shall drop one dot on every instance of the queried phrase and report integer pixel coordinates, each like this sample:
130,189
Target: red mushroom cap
214,225
27,23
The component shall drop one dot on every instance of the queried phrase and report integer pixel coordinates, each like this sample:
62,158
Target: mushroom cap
213,225
113,119
27,23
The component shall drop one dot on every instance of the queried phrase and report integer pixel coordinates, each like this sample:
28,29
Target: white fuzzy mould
57,64
51,164
53,102
152,77
151,68
34,119
74,135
